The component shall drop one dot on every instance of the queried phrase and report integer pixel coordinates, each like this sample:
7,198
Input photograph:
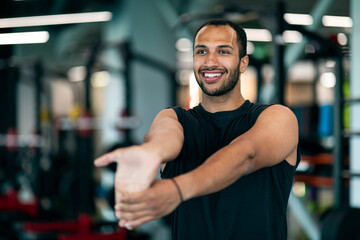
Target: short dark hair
240,33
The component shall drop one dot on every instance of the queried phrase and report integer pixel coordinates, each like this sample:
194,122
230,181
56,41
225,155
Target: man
227,164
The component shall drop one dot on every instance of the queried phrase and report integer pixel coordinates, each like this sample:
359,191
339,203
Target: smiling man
227,164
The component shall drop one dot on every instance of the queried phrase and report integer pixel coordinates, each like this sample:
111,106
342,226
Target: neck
227,102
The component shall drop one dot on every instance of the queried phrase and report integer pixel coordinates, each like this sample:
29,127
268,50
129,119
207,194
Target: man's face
216,60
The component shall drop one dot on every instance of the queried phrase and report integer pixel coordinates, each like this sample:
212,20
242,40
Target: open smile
212,76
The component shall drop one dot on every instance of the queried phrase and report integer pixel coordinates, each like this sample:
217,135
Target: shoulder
275,136
164,115
178,113
279,113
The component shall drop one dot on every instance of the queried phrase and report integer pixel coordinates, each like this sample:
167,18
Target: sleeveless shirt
253,207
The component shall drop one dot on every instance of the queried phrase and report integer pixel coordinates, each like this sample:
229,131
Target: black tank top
254,207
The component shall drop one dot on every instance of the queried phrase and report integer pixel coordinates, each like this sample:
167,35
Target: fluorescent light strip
55,19
264,35
327,20
292,36
337,21
258,35
298,19
24,38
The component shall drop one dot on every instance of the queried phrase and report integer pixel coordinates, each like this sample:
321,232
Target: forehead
216,35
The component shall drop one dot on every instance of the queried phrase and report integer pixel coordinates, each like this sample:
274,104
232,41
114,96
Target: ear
244,61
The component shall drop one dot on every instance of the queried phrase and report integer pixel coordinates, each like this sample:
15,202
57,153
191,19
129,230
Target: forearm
218,172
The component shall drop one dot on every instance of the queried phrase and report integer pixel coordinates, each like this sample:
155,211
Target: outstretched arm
272,139
138,165
164,141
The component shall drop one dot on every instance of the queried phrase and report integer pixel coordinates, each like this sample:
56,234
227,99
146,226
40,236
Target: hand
136,169
157,201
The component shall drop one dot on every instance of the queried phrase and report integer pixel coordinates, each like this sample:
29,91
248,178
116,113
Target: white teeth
212,75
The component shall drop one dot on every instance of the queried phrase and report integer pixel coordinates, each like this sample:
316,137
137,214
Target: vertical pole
85,153
39,185
355,108
339,189
12,78
128,88
279,54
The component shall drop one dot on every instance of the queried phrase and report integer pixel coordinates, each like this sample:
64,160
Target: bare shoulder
277,132
166,116
168,112
280,109
279,115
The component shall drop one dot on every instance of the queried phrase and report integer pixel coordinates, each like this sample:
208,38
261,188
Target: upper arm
166,119
167,126
273,138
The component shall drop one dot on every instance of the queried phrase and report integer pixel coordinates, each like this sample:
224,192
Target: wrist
187,186
178,189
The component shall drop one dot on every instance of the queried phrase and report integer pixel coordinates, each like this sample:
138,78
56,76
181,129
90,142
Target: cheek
196,65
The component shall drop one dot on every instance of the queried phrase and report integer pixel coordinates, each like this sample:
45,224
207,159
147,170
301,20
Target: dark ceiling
19,8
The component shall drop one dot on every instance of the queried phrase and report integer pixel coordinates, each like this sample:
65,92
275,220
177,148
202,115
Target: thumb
106,159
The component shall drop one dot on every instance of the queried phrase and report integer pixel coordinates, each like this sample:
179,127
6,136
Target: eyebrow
220,46
200,46
225,46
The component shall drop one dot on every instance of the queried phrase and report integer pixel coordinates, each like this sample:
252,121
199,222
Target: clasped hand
139,198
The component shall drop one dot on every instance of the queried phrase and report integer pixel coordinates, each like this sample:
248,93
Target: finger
108,158
137,197
117,212
133,224
135,207
104,160
118,196
131,216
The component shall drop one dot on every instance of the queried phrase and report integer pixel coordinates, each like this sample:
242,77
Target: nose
211,60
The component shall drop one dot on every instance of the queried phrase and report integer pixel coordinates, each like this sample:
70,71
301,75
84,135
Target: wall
355,109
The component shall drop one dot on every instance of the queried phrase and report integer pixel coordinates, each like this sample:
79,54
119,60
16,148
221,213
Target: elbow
248,155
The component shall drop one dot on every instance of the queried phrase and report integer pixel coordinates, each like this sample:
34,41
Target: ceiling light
337,21
55,19
328,79
183,45
100,79
342,39
264,35
292,36
77,74
250,48
258,35
298,19
330,63
24,38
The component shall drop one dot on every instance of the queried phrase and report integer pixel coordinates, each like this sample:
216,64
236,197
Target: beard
226,87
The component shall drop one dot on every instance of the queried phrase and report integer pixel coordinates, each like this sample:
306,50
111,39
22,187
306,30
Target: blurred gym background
81,78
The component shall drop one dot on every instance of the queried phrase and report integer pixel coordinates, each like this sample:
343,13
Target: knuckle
129,216
151,195
153,205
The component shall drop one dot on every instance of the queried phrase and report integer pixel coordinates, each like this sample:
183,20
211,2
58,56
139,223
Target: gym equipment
81,228
341,223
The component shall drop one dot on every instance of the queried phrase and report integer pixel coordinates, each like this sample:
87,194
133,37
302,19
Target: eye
224,52
201,52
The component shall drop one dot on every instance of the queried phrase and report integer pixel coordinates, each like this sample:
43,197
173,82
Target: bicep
166,119
167,134
274,137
